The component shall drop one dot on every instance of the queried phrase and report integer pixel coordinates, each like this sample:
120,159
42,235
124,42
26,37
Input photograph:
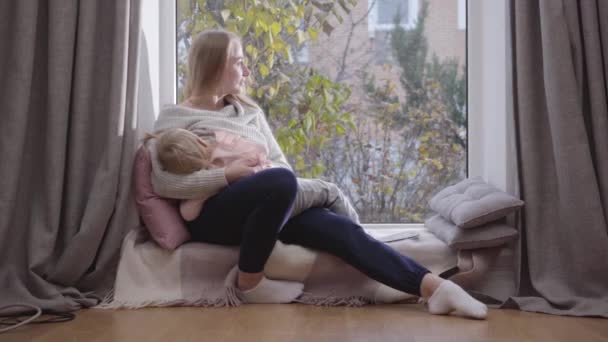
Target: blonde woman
252,209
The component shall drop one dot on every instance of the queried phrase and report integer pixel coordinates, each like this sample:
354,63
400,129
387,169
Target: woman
252,209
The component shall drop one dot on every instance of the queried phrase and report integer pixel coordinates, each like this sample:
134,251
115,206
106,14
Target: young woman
252,209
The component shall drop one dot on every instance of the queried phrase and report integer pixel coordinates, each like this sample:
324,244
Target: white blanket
194,274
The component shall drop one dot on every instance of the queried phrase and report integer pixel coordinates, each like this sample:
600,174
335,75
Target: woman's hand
240,168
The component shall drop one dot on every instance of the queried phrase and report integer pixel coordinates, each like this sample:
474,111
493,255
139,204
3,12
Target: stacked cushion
489,235
470,214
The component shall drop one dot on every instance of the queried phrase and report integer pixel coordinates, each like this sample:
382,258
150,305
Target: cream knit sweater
245,121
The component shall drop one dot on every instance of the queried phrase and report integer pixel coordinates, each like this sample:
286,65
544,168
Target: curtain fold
560,91
68,82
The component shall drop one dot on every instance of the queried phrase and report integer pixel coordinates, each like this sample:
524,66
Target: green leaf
340,129
257,29
264,71
307,123
313,33
300,37
275,28
292,123
263,25
270,59
272,91
291,29
289,54
252,51
300,163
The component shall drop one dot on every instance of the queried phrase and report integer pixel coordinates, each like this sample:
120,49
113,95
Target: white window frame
372,20
462,14
158,28
488,93
487,83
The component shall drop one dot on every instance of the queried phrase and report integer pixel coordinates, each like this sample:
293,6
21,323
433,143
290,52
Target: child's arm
190,209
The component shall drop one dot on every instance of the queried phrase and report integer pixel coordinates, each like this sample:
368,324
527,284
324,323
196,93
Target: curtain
67,139
560,92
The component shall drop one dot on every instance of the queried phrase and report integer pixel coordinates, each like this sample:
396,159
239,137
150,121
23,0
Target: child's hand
240,168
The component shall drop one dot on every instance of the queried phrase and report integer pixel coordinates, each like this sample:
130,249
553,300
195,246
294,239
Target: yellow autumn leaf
264,71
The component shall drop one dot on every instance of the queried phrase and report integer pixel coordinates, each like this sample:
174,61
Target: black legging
253,211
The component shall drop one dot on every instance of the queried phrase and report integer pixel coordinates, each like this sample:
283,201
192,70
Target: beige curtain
560,88
67,98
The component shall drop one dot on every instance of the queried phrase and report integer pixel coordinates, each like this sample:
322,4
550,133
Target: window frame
487,90
462,14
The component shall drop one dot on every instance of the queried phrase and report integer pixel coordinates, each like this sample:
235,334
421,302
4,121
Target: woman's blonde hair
179,151
207,59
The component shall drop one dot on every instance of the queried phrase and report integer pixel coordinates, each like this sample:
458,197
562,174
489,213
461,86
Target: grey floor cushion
473,202
488,235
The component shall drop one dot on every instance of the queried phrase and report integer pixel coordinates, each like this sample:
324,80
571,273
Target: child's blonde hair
180,151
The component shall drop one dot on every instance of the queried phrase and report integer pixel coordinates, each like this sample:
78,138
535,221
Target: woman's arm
199,184
275,154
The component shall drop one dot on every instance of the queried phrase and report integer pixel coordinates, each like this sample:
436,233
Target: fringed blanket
194,274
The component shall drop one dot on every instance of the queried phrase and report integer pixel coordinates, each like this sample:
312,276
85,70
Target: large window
378,108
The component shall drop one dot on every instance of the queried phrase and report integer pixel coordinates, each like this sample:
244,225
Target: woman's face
236,71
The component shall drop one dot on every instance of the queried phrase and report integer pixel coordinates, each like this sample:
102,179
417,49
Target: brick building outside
364,35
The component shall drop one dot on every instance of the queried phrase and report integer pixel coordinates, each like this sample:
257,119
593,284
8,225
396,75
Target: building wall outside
372,53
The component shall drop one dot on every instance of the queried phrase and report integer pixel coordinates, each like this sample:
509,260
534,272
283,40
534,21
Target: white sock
269,291
273,291
450,297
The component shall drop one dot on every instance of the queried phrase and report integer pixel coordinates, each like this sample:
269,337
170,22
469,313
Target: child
181,151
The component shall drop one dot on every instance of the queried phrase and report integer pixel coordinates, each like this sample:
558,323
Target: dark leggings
253,213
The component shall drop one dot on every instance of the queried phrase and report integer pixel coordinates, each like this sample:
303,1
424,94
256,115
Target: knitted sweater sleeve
199,184
275,154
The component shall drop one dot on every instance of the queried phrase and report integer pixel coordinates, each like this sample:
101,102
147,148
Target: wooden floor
294,322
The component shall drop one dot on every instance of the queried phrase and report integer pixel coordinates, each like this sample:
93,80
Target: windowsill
389,27
392,226
379,231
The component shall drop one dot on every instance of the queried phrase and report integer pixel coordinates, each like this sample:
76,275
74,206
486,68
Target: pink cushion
160,215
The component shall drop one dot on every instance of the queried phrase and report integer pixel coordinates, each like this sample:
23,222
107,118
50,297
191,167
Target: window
388,9
363,180
382,14
487,81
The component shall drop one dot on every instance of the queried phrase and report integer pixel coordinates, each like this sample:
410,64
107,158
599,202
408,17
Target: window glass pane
389,9
382,112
